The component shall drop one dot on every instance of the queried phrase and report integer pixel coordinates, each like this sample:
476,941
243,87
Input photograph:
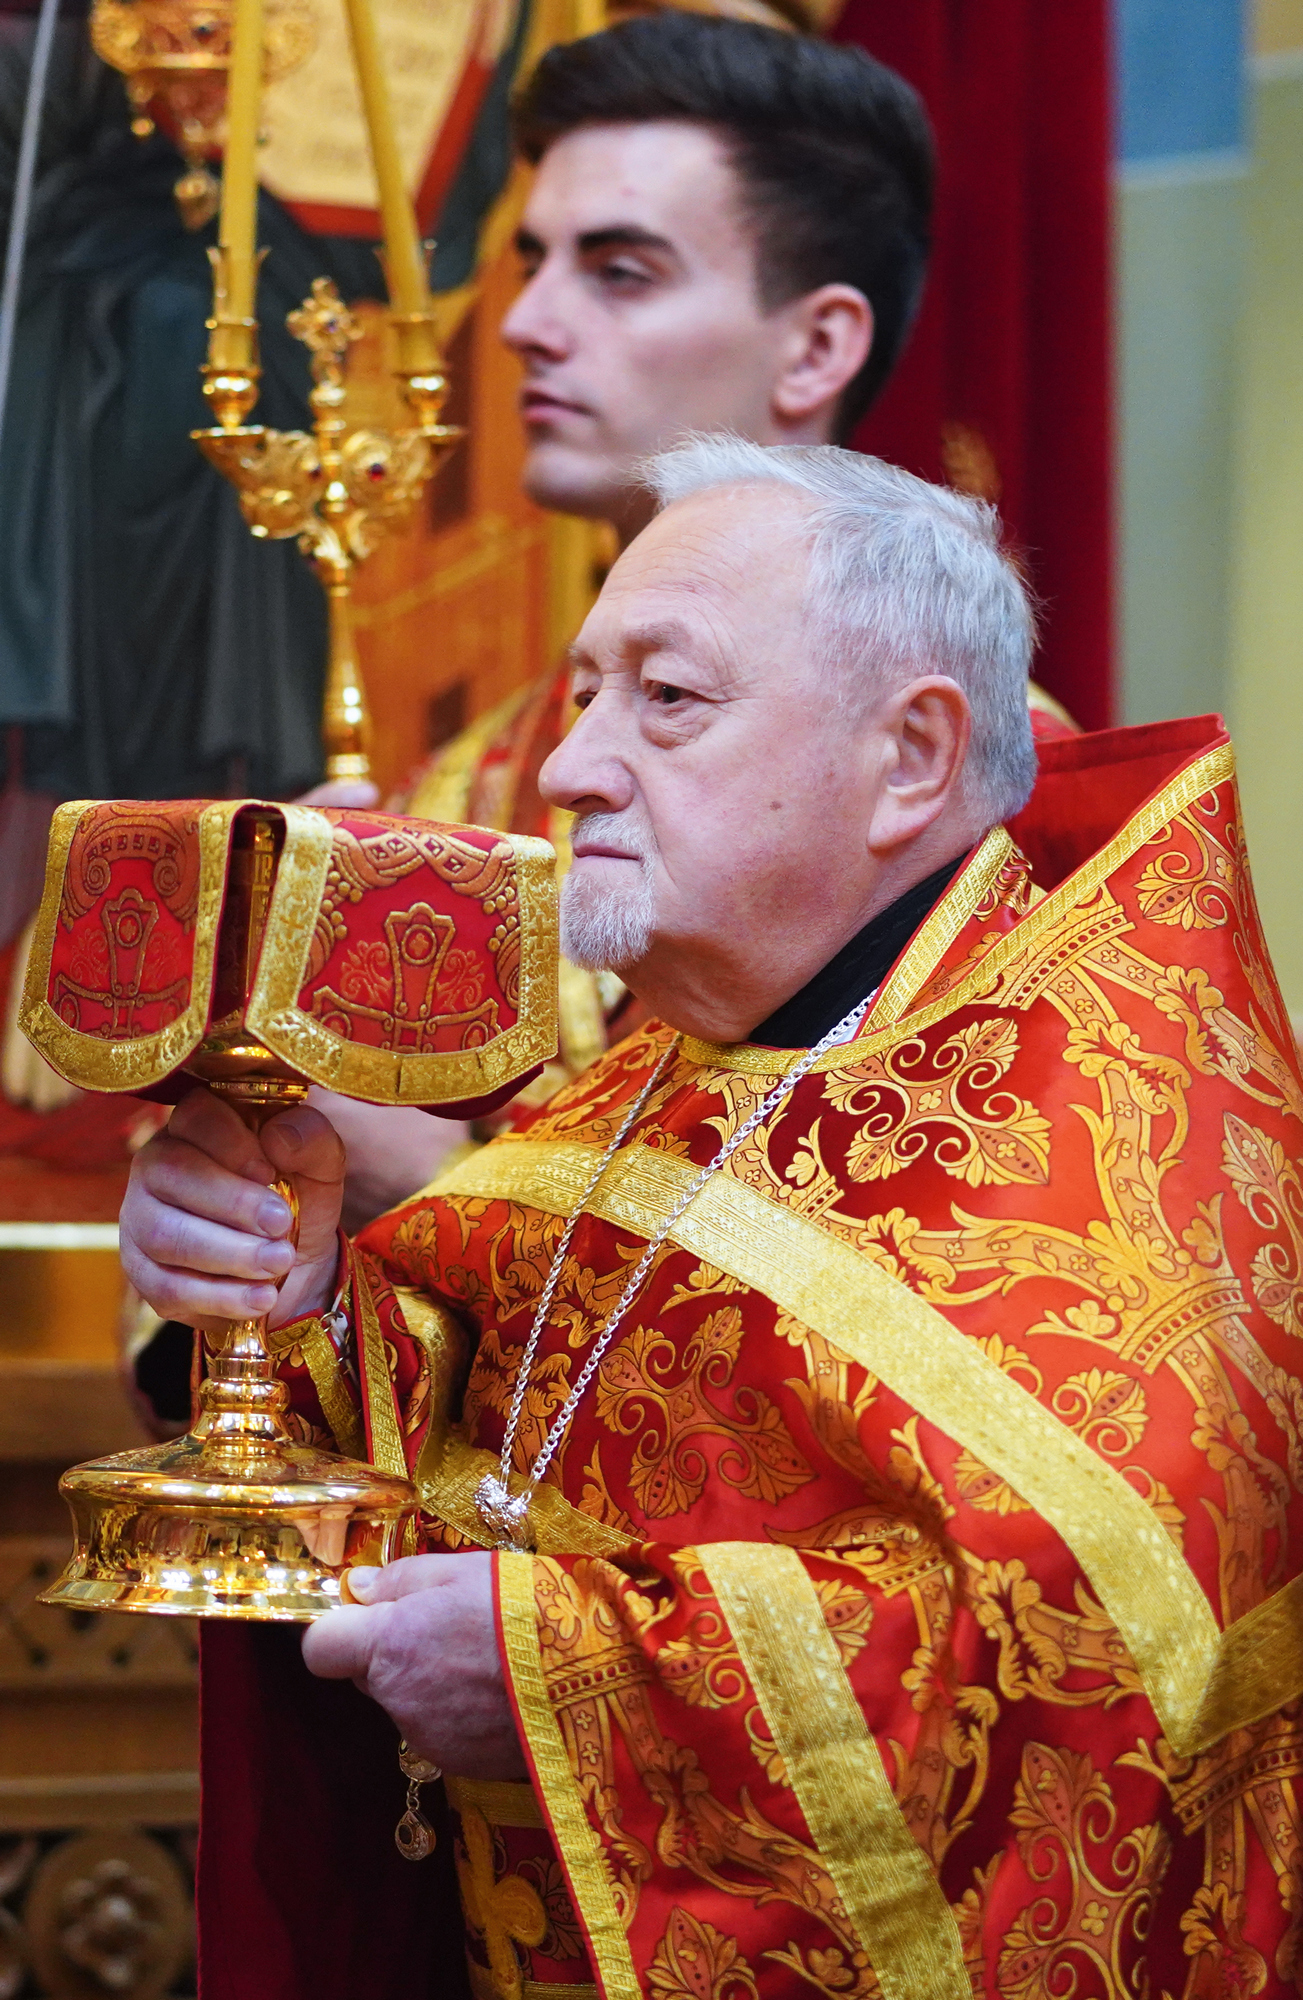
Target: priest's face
641,319
724,847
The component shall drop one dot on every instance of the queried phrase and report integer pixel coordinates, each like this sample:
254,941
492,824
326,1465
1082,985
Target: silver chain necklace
503,1513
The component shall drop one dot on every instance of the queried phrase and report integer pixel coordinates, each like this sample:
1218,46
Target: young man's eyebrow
621,236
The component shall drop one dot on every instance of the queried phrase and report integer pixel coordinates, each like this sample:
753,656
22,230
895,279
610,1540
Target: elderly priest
856,1421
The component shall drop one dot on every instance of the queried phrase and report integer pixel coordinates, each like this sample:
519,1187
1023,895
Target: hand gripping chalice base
256,949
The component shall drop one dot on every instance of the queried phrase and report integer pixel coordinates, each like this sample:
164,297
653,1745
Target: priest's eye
665,693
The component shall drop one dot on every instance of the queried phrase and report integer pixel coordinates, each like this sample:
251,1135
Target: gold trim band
386,1436
891,1893
322,1363
939,929
578,1845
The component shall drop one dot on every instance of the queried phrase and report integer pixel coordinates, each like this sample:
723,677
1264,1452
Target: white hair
905,579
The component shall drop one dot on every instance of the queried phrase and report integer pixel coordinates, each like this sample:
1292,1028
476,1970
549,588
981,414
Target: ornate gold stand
234,1520
337,490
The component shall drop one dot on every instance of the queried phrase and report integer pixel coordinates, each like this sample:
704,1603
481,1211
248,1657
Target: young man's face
640,317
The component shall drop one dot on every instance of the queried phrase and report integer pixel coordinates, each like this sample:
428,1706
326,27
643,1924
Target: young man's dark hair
833,151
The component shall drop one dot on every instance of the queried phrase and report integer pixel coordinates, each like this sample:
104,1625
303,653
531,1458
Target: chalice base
190,1529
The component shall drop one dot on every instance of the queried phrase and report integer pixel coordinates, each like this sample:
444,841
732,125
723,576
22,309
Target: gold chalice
217,944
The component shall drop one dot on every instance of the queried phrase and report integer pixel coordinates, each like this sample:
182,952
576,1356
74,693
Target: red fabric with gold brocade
917,1607
135,875
400,961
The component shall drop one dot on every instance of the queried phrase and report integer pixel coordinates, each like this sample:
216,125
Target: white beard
602,930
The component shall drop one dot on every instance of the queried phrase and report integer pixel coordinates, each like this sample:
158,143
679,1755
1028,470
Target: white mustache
619,830
606,927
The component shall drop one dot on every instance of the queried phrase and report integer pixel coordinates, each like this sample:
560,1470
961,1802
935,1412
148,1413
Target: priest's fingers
339,1646
192,1298
173,1172
184,1242
342,792
399,1579
215,1128
305,1146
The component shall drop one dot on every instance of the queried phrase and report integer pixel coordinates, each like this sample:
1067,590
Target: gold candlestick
239,219
336,489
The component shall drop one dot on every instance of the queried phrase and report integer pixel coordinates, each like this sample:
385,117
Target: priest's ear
830,334
918,743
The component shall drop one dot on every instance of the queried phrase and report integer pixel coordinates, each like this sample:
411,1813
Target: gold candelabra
335,489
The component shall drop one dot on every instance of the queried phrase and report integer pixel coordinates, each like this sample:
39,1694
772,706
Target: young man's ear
831,334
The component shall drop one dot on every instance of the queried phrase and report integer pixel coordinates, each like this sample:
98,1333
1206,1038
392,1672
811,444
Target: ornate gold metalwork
176,53
234,1520
337,490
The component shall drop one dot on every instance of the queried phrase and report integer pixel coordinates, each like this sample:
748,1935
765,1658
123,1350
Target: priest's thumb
339,1646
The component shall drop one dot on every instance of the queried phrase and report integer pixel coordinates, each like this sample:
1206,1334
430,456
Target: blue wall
1180,77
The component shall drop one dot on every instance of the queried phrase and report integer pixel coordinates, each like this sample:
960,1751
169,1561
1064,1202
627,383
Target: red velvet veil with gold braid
403,962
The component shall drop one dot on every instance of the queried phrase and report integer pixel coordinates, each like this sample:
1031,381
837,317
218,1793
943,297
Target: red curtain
1006,387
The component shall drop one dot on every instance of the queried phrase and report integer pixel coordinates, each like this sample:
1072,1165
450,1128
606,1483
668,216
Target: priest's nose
587,772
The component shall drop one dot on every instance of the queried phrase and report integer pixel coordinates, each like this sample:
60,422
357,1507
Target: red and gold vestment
918,1598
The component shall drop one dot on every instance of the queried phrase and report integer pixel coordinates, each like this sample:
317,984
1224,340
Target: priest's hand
204,1238
423,1643
359,792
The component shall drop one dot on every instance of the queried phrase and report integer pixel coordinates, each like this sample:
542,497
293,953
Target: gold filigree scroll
377,861
1200,880
694,1961
1097,1893
638,1395
1268,1184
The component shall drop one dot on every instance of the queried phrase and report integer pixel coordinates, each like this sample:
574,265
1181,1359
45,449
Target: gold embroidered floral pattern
694,1961
671,1418
1098,1892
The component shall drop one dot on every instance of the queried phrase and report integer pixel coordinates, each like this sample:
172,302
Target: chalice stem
346,723
241,1400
